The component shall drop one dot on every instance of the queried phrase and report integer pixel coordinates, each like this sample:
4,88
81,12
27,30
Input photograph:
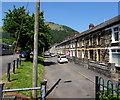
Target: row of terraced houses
99,43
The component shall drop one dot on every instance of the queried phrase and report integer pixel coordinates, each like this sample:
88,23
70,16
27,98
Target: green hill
4,35
59,32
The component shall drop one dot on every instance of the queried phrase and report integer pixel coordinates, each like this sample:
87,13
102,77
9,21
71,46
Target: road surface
72,85
77,81
4,60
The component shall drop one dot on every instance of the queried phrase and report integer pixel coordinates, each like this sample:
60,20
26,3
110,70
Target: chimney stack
91,26
75,33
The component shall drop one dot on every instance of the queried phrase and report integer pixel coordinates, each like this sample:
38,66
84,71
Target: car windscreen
51,53
63,56
24,52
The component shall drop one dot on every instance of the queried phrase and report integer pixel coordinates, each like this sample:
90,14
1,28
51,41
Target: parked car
17,52
23,54
52,54
62,59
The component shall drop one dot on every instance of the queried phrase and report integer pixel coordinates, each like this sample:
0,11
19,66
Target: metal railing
42,88
108,90
24,89
43,92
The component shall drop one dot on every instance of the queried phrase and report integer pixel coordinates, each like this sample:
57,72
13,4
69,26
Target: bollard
20,60
17,62
8,72
1,90
43,89
14,66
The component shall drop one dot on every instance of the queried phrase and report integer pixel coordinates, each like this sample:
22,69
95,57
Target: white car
52,54
62,59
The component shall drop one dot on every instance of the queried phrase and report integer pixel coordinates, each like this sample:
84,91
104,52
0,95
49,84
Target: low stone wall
108,70
102,69
118,75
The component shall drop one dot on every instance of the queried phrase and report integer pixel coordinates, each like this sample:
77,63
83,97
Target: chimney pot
91,26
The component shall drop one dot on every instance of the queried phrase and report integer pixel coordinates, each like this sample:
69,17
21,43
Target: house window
91,39
99,36
113,50
116,56
83,39
115,59
116,36
116,32
118,50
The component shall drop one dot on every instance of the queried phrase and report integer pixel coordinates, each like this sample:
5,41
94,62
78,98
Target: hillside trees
60,32
20,25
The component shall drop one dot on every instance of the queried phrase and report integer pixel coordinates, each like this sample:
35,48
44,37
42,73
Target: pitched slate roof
96,28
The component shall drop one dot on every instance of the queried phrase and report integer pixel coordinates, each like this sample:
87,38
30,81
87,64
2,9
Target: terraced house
99,43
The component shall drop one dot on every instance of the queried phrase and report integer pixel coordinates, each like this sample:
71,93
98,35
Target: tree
20,25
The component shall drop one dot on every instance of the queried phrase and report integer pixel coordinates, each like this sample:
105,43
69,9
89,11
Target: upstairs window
91,40
83,39
99,37
116,34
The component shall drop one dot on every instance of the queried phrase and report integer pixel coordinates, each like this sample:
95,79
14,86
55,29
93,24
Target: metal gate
108,90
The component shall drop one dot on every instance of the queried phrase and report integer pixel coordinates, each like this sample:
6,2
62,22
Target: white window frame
111,53
113,36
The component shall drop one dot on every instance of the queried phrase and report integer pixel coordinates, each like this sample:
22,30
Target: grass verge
23,78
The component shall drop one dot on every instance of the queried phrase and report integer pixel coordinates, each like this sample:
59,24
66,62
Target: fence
43,92
108,90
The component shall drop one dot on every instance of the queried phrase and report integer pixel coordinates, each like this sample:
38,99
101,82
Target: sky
77,15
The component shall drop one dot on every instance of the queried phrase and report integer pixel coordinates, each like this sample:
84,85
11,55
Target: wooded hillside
59,32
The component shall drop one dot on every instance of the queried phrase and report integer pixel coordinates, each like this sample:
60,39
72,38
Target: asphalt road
73,84
4,60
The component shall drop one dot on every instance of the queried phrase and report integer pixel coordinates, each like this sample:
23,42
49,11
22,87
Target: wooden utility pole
35,57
